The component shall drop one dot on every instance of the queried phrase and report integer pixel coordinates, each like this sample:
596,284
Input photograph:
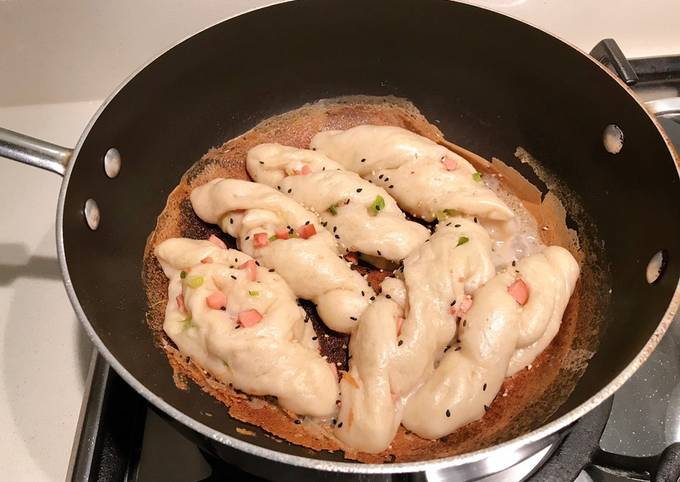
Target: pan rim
531,439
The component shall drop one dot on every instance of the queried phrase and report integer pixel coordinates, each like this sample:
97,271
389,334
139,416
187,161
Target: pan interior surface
488,82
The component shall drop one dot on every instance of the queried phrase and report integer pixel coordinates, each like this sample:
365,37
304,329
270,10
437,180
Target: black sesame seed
388,296
363,160
456,225
337,236
448,224
340,425
446,349
387,179
235,260
233,277
457,348
514,263
484,387
347,202
261,162
324,223
290,190
237,327
380,176
323,168
231,220
464,322
475,219
448,413
224,308
378,251
453,302
486,408
353,318
314,338
401,342
314,148
359,189
278,187
335,229
362,293
372,298
333,422
297,421
271,270
257,263
391,186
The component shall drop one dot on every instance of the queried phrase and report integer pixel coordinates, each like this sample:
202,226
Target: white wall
68,50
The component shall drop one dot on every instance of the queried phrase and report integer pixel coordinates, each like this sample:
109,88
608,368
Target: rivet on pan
656,266
612,138
112,162
92,216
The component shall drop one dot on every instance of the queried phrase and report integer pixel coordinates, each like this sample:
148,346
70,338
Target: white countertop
48,75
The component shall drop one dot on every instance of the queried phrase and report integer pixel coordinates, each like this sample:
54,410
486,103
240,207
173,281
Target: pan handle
34,152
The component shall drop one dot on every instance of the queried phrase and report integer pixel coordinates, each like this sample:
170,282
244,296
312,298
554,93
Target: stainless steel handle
34,152
659,107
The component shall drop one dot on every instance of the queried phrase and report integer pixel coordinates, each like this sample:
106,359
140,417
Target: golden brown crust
524,401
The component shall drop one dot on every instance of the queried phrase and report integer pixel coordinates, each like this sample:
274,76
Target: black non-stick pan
491,83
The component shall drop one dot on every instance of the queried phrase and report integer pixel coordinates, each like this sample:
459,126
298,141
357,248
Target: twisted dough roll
370,413
439,275
254,214
424,177
275,355
390,359
496,333
362,216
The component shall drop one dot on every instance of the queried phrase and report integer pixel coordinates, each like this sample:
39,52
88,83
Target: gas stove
629,437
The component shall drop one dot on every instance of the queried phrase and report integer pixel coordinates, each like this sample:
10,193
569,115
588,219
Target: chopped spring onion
477,176
183,274
254,293
333,209
377,205
446,213
273,237
462,240
188,323
194,282
293,234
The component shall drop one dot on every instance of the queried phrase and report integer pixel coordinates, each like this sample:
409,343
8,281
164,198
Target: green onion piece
441,215
188,323
477,176
451,212
273,237
182,274
377,205
293,234
195,281
333,209
462,240
254,293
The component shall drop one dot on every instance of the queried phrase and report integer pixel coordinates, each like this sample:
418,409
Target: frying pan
491,83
